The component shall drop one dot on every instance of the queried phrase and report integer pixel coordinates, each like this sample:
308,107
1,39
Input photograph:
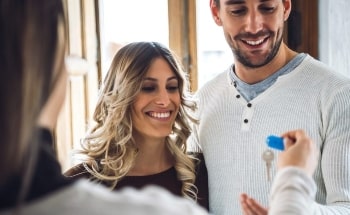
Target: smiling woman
142,126
157,105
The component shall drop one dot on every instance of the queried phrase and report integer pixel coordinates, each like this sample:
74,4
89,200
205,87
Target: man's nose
253,22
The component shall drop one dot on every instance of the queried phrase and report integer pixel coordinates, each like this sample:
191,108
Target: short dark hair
217,3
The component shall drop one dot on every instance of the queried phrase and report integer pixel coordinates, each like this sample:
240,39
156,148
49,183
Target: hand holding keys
274,142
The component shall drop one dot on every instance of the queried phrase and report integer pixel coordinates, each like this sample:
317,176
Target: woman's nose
163,98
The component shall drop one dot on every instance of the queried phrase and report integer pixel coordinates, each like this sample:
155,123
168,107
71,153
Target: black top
47,176
166,179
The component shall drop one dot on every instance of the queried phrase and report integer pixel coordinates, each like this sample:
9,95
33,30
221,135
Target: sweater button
238,96
249,105
245,121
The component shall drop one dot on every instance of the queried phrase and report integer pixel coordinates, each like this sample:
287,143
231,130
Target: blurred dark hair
31,31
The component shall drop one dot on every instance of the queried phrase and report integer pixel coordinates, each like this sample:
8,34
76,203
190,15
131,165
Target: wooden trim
308,11
192,34
83,81
98,43
177,41
183,35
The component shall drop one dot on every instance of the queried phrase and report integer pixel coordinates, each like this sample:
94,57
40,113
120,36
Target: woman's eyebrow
155,79
171,78
150,79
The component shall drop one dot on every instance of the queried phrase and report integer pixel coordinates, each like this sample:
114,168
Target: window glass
214,54
125,21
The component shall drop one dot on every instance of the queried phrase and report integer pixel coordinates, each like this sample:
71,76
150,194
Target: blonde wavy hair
109,145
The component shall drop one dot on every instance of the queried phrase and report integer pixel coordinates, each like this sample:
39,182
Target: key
268,156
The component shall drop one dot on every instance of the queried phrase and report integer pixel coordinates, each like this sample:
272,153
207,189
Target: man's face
252,28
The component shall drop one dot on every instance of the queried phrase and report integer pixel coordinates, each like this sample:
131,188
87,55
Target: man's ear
287,4
215,12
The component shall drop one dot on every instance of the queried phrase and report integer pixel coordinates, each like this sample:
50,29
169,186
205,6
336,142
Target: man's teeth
254,43
159,115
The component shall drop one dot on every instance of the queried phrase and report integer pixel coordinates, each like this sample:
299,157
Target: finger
243,196
246,210
294,134
244,206
256,207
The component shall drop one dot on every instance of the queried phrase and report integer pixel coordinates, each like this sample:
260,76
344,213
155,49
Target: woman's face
157,104
49,113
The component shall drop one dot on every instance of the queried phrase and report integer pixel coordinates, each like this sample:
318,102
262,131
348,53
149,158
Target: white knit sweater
232,133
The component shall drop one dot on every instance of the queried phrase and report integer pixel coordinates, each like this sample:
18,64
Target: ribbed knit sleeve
292,193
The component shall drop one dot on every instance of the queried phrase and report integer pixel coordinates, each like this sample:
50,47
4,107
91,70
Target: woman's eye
148,89
173,88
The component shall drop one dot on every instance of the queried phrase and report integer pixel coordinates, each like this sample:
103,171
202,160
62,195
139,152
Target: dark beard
246,62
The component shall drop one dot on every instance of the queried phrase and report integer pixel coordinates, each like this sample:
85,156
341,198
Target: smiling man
270,89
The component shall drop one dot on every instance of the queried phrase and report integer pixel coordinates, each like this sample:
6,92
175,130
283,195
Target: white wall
334,34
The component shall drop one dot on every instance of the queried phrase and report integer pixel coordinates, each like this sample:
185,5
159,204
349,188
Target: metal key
268,156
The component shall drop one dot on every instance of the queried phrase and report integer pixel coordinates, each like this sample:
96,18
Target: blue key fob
275,142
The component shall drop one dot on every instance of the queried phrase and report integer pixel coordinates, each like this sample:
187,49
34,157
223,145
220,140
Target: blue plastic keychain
275,142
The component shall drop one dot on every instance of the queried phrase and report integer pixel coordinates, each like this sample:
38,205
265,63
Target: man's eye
268,9
148,89
238,12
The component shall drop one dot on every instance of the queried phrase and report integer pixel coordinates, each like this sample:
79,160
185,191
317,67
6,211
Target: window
128,21
214,54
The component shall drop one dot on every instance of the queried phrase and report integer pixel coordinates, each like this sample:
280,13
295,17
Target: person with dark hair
33,42
269,89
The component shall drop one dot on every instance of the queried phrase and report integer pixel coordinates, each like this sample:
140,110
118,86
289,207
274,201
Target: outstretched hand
300,152
251,207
